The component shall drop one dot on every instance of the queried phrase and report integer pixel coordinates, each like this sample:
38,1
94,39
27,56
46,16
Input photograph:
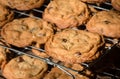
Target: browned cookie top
94,1
66,13
106,23
23,4
5,15
56,73
116,4
22,32
74,46
24,67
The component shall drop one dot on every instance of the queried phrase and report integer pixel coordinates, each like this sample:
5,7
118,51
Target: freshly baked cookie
74,46
94,1
22,32
24,67
23,4
106,23
3,54
116,4
5,15
56,73
66,13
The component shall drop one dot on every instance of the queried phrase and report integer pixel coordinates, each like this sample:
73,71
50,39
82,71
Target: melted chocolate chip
64,40
107,22
33,43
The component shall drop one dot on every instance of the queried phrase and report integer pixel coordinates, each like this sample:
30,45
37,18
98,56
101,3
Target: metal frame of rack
63,68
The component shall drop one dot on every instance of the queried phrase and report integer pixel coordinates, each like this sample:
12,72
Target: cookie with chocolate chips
23,4
24,67
24,31
106,23
66,13
116,4
5,15
56,73
74,46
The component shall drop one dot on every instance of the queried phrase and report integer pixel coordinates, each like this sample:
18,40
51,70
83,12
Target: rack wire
115,43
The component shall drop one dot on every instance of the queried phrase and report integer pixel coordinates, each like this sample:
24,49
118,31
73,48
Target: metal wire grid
63,68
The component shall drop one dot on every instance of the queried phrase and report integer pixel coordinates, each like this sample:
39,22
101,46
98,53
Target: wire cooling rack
109,71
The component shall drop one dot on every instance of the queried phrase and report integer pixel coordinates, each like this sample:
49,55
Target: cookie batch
69,31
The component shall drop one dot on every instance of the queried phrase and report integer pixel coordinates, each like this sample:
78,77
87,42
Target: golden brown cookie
56,73
66,13
24,67
94,1
5,15
116,4
23,4
106,23
74,46
22,32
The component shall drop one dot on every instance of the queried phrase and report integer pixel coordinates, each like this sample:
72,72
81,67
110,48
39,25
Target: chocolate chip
64,40
78,54
107,22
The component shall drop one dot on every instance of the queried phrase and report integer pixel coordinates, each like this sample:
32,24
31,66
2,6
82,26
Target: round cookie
23,4
116,4
5,15
24,67
94,1
66,13
22,32
74,46
56,73
106,23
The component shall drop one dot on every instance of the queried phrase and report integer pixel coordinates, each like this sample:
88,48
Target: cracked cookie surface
24,67
23,4
116,4
66,13
22,32
74,46
106,23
